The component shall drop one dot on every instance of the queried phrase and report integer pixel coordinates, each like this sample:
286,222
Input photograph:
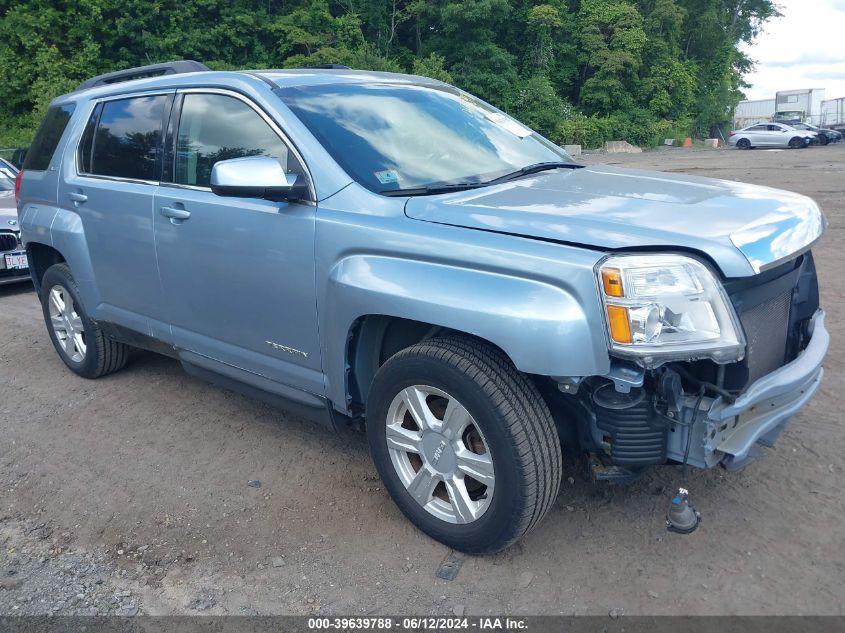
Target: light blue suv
388,251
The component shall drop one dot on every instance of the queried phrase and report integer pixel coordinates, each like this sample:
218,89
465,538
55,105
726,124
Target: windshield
401,136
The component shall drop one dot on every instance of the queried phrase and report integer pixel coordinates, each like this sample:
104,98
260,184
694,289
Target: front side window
400,136
127,141
216,127
47,137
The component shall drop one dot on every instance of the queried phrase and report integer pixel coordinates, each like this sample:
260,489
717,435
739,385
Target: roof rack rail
153,70
329,67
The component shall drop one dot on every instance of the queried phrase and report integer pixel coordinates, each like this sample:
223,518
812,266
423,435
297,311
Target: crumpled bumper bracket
734,428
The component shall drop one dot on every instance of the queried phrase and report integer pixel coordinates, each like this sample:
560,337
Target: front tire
464,443
78,340
823,140
797,142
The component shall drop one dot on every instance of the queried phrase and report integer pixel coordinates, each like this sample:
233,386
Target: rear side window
126,142
87,142
47,137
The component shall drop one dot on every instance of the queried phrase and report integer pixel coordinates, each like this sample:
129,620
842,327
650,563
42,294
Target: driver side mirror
256,177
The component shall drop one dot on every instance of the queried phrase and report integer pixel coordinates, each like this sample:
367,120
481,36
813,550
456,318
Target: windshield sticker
387,177
507,123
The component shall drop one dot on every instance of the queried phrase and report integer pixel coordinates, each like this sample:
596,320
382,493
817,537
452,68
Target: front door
237,273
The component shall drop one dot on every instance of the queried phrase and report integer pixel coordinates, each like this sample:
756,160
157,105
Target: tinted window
47,137
758,128
216,127
394,136
127,141
86,144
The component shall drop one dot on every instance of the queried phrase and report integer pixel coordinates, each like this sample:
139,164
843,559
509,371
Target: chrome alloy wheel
440,454
67,324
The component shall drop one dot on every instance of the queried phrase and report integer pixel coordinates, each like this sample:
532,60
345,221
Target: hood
743,228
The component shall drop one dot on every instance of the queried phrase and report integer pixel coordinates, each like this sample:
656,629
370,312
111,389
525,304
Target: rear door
238,273
118,167
759,135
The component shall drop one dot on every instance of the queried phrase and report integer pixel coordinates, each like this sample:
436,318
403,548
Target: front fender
542,327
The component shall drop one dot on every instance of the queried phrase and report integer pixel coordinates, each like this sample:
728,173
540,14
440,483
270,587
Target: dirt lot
129,494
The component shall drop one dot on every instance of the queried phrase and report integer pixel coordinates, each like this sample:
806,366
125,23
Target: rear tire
507,439
78,340
743,143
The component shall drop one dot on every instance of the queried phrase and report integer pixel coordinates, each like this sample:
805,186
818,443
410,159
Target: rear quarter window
127,141
47,137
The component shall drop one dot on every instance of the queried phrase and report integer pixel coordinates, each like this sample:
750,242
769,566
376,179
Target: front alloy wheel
465,444
440,454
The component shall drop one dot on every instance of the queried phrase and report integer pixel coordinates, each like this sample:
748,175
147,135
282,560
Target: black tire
796,142
102,356
823,140
518,430
743,143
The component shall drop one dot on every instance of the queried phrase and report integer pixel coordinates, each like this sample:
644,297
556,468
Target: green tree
637,68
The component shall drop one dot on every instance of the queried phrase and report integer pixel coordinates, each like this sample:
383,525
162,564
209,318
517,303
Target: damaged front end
710,410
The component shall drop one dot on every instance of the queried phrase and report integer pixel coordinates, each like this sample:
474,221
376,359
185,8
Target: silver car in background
771,135
13,262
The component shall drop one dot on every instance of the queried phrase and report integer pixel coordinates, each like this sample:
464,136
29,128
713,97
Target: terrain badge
286,349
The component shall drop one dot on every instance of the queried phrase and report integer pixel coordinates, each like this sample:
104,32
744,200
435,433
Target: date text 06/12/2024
417,623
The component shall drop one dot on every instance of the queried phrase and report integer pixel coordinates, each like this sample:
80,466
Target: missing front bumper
728,432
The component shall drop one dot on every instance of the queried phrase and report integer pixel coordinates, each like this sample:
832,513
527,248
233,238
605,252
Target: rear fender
62,230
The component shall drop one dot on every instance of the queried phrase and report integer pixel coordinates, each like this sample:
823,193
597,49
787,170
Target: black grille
8,242
766,328
774,308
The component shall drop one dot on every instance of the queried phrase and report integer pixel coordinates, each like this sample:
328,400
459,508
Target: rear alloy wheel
78,340
67,324
465,444
743,143
796,142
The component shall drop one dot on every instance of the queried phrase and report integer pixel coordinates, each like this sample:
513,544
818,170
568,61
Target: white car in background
771,135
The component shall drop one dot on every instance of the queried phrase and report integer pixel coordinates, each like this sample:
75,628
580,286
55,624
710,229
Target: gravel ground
130,494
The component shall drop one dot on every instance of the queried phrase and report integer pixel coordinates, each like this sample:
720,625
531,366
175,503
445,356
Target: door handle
77,197
175,214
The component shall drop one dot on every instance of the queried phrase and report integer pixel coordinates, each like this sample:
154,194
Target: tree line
578,71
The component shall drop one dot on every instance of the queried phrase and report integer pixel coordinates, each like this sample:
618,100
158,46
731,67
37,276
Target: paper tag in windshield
507,123
387,177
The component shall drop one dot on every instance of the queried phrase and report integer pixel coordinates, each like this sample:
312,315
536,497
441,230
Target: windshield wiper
432,189
533,169
463,186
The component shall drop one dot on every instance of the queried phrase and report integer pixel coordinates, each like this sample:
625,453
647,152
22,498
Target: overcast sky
803,49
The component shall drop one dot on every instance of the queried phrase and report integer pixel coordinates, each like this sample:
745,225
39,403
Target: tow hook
682,517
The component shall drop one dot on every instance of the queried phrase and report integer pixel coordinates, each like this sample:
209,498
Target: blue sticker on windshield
387,177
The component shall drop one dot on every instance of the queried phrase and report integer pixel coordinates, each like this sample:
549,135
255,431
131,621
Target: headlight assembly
662,308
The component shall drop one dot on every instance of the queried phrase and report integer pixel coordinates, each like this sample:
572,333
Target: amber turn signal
611,280
620,324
